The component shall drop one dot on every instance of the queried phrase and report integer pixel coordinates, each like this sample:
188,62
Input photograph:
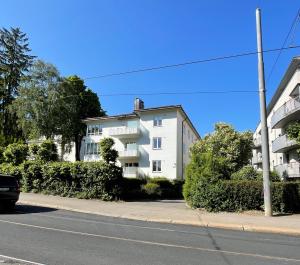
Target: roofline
135,114
292,68
294,65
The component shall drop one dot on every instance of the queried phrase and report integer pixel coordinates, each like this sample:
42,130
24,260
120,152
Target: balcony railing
286,113
256,160
125,132
130,172
257,142
282,144
129,154
291,170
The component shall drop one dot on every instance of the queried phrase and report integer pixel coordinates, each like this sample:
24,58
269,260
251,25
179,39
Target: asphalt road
37,235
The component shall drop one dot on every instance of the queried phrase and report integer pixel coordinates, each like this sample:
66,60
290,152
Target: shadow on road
27,209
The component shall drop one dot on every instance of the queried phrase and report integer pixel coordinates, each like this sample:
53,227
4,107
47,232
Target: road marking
157,228
233,253
21,260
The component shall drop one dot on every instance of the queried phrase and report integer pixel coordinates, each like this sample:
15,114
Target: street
48,236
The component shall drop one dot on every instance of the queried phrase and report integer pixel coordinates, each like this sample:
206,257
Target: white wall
170,132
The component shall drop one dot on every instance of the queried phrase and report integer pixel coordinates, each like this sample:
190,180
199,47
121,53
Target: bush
249,173
46,152
244,195
81,179
15,153
134,189
153,190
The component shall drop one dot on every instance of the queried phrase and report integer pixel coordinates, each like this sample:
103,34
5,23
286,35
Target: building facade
151,142
283,109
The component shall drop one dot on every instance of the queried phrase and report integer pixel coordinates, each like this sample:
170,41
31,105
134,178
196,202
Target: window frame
157,140
157,121
157,164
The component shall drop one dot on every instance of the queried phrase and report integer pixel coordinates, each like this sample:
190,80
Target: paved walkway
170,211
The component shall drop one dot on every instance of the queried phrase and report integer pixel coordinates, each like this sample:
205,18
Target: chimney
138,104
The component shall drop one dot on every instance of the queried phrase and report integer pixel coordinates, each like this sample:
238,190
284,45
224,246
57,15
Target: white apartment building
151,142
283,109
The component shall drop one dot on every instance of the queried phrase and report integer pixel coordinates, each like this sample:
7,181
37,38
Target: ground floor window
131,165
92,149
156,165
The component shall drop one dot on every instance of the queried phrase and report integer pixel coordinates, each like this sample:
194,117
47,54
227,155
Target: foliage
107,152
293,132
14,63
15,153
232,147
80,179
76,103
151,188
203,169
1,154
47,151
246,173
36,106
227,195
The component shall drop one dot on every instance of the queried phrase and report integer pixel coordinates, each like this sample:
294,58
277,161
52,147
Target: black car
9,192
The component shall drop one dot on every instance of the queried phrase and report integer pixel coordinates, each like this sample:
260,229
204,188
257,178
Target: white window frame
94,129
156,166
155,143
157,121
92,148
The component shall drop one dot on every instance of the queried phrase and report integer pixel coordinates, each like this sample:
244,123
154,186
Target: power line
189,63
293,26
179,93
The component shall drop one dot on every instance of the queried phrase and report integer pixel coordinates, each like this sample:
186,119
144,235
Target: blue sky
91,38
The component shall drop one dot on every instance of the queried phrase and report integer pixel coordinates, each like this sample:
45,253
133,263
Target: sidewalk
170,211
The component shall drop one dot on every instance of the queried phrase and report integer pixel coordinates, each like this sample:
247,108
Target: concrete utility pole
263,119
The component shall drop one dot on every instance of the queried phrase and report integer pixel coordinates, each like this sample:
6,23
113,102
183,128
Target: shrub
82,179
132,188
108,154
243,195
47,151
15,153
153,190
1,154
246,173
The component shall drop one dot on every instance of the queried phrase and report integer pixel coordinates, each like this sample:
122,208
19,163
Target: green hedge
81,179
151,188
236,196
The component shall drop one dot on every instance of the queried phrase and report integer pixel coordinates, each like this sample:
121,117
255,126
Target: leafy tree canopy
232,147
293,132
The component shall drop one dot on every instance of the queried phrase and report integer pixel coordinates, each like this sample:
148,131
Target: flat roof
135,115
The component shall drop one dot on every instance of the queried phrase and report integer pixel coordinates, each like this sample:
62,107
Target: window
157,121
156,143
189,134
92,149
94,129
156,165
131,164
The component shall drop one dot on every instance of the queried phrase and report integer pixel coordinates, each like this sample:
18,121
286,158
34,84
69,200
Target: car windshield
7,181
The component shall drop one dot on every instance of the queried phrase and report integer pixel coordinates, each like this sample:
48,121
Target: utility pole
263,119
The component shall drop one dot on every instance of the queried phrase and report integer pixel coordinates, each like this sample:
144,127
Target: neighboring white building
283,109
151,141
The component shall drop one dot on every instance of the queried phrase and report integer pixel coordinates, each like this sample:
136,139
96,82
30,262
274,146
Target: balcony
130,172
282,144
129,154
291,170
256,160
257,142
125,132
288,112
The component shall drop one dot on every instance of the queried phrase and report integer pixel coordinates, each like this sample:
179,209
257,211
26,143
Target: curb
246,228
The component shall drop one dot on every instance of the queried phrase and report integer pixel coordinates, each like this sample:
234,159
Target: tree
14,63
107,152
37,105
47,151
77,102
234,148
15,153
293,132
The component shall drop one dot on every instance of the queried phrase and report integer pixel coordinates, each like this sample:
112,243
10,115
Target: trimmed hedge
236,196
81,179
151,188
